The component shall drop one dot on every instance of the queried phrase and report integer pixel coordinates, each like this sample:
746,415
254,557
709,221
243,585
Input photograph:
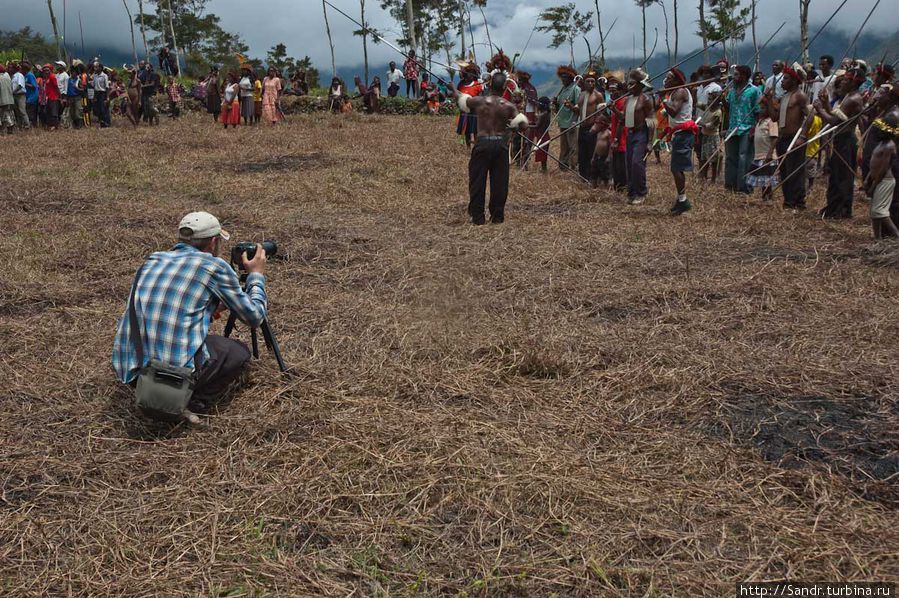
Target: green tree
566,24
30,44
728,22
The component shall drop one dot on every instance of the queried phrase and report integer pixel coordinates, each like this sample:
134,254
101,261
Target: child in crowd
763,173
813,150
173,90
601,152
711,138
544,118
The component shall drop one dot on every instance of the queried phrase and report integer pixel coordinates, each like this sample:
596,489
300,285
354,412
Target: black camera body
249,247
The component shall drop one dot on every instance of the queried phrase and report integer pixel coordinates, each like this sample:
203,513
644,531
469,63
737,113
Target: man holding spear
841,185
791,112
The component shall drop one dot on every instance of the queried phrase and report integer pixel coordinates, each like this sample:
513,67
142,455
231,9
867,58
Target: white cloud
300,25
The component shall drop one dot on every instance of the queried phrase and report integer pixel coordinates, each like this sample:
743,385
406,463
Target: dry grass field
590,399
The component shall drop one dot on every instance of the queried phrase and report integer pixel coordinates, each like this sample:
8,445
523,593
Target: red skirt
230,113
540,154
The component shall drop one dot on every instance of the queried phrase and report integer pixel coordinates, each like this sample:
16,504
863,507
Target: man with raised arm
490,155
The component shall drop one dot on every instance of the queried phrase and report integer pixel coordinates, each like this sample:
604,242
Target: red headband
789,71
679,74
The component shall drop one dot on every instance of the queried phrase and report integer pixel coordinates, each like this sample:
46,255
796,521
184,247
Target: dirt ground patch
590,399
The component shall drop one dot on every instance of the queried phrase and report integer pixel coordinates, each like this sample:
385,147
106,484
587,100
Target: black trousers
619,170
411,88
841,184
489,157
586,145
227,360
792,173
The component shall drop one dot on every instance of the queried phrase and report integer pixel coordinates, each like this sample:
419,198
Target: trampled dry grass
591,399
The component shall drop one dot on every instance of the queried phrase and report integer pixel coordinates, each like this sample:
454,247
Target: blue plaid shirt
176,296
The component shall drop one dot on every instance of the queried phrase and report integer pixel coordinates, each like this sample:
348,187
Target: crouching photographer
162,347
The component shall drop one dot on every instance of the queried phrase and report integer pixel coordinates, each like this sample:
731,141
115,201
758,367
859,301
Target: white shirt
394,76
246,87
101,82
775,82
18,84
703,91
62,82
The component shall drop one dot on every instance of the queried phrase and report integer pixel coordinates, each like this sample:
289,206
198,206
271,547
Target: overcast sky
300,25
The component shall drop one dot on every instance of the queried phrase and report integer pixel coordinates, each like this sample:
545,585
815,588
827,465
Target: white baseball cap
201,225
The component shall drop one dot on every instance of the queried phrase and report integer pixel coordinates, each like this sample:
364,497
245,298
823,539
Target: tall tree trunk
463,56
602,36
364,39
174,40
330,40
55,30
571,48
667,45
803,28
676,32
487,28
131,24
143,30
755,43
702,32
643,9
410,24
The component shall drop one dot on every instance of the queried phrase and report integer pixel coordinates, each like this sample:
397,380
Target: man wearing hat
637,109
62,82
565,104
175,296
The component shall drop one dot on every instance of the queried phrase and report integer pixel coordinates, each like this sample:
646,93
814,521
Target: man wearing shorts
682,130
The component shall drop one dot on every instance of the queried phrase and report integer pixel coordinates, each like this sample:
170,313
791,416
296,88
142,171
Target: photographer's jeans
227,360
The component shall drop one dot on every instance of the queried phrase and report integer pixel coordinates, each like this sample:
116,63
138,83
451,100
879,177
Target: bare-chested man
841,184
880,183
490,155
637,109
587,103
679,107
791,113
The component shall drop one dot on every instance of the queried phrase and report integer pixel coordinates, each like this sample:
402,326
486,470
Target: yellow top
257,91
812,149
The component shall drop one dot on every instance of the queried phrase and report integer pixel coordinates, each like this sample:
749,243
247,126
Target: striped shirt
176,296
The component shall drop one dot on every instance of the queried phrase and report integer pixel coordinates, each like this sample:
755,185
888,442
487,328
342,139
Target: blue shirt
177,293
743,109
30,92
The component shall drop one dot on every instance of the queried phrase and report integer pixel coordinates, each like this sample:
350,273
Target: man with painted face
588,102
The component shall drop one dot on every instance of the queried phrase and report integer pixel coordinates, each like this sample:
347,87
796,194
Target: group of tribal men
608,124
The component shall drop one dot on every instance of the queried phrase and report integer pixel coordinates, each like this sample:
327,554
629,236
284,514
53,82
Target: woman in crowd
271,94
231,108
245,86
134,87
213,93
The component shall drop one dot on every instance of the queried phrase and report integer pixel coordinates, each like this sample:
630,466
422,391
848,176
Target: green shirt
568,117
